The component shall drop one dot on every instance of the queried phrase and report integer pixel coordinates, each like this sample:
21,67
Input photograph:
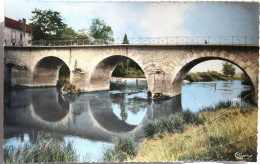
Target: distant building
17,33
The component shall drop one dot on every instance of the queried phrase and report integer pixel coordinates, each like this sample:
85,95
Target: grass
124,148
172,124
47,150
235,131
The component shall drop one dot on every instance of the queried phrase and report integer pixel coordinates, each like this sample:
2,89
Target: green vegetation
245,80
128,68
49,25
208,76
204,76
64,79
173,124
45,150
215,133
222,134
99,30
69,33
228,69
124,148
125,41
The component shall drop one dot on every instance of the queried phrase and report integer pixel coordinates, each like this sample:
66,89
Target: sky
151,19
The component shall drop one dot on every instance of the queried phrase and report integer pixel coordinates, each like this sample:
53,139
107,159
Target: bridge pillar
159,82
79,79
21,77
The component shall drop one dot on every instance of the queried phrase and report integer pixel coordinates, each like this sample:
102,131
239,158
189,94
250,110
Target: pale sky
151,19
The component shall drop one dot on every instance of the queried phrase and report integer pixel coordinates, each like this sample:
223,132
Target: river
91,120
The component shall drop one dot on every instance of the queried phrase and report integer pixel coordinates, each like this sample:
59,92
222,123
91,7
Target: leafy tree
125,41
47,24
228,69
69,33
99,30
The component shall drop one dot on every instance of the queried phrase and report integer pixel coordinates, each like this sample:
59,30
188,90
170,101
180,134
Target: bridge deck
140,45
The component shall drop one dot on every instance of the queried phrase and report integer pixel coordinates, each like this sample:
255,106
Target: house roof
16,24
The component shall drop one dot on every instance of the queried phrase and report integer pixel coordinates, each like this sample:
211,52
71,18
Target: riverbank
122,79
208,76
226,135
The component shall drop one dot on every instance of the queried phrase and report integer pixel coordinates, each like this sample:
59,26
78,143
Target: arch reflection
50,105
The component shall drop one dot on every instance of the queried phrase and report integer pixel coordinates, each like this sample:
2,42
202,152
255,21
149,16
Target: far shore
132,79
127,79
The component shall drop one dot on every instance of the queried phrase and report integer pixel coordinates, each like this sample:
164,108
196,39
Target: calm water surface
91,120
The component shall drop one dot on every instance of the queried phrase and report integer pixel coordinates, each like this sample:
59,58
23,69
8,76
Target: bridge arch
182,72
102,72
46,71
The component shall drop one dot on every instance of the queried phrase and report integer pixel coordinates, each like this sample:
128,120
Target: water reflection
52,107
94,118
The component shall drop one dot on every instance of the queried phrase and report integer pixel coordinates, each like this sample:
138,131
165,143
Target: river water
91,120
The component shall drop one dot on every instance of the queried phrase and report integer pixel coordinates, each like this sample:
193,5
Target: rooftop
16,25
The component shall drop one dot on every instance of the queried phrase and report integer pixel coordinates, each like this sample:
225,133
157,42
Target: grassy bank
208,76
45,150
216,133
222,134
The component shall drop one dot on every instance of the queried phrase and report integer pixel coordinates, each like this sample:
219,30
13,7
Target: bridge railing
207,40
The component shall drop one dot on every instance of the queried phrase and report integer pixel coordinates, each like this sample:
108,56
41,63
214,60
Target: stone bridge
164,66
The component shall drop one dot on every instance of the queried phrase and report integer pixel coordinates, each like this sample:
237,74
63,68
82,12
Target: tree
47,24
228,69
125,41
100,31
69,33
83,34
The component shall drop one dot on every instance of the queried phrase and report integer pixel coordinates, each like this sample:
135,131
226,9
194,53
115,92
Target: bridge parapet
178,40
